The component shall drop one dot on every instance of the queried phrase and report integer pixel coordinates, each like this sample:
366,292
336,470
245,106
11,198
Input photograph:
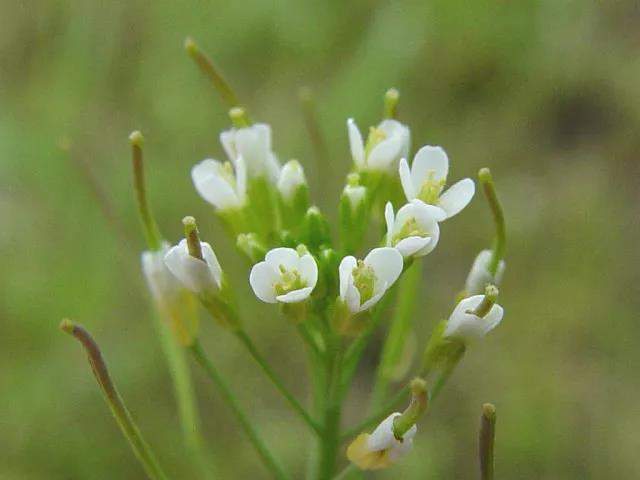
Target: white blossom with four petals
364,282
427,177
386,145
219,185
198,276
253,144
284,276
463,324
381,448
414,230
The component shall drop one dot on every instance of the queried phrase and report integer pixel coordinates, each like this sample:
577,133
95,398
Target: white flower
465,325
355,194
253,144
284,276
427,178
199,276
290,179
414,230
218,185
164,287
386,144
364,282
381,448
479,275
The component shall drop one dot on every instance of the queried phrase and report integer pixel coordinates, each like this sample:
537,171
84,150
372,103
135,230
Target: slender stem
398,331
310,116
259,359
184,394
348,470
486,441
498,217
330,440
151,231
264,453
391,98
212,73
130,430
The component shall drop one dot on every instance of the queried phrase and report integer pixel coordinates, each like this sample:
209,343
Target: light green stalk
398,332
500,242
120,412
263,451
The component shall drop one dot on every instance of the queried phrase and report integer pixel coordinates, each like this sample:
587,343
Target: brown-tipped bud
192,236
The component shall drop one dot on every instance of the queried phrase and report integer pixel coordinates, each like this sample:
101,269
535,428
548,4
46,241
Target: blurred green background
546,93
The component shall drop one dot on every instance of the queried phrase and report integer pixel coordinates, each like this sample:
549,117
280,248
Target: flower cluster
335,289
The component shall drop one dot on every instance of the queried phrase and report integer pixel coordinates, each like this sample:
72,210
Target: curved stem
259,359
111,395
348,470
264,453
498,217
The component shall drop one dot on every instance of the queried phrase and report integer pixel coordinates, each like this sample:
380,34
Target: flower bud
475,316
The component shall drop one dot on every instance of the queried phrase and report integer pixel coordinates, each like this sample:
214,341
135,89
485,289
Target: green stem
211,72
348,470
111,395
398,331
330,440
271,375
264,453
184,394
500,242
486,441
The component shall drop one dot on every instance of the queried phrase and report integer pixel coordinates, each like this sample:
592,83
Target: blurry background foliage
546,93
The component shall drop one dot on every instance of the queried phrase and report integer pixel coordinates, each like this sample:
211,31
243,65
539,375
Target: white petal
457,196
345,272
253,144
287,257
194,273
479,275
412,245
273,167
295,296
381,289
211,186
386,263
355,143
425,213
227,139
435,237
389,218
406,180
382,437
263,278
308,270
241,179
291,177
352,297
212,261
400,449
493,318
384,154
429,159
394,128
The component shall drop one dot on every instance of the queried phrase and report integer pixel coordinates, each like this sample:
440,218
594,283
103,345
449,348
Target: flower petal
308,270
389,219
457,196
382,437
241,179
228,141
211,186
386,262
385,153
493,318
262,279
406,180
287,257
355,143
295,296
345,272
412,245
429,159
212,261
381,290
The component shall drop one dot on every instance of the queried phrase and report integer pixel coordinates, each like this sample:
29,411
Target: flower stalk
111,395
500,242
486,441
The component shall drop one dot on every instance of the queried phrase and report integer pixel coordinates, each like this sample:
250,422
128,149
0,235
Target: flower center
290,280
410,228
430,189
227,173
364,279
376,136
